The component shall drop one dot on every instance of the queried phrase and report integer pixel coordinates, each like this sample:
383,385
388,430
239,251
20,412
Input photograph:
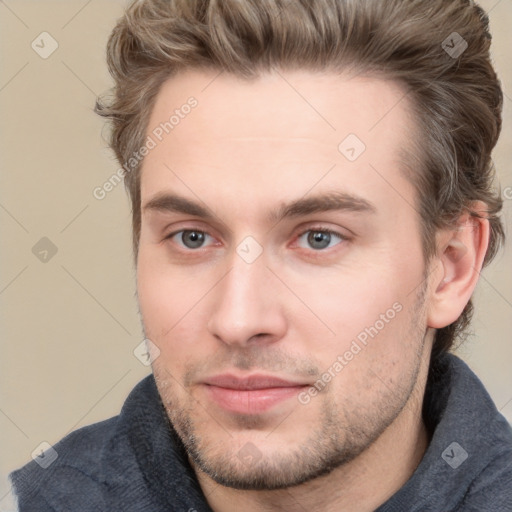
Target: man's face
253,304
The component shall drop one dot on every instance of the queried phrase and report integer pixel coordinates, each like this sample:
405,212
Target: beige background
70,325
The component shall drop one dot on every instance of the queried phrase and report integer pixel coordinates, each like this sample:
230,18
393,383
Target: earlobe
461,253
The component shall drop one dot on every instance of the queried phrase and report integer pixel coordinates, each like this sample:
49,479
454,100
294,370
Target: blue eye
319,238
190,238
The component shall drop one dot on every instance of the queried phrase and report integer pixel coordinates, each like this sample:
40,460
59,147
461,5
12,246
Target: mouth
253,394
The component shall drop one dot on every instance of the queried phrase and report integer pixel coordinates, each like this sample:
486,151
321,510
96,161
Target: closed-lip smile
252,394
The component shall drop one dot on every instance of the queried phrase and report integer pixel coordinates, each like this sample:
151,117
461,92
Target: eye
189,238
317,239
321,238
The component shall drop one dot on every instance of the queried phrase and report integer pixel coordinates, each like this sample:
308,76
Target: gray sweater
134,462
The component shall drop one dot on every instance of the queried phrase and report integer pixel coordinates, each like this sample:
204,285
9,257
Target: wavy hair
420,44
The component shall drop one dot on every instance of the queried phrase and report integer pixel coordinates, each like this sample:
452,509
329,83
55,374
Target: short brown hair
420,44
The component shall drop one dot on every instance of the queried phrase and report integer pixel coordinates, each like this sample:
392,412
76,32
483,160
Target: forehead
284,128
329,106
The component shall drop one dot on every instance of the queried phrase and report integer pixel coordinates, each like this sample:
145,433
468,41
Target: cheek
368,312
156,303
164,293
347,301
174,309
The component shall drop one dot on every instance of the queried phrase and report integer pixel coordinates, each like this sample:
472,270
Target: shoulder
70,466
488,438
87,464
492,490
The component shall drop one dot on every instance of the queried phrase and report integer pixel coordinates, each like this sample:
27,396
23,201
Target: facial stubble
344,428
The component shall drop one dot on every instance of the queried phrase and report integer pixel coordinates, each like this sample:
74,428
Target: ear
458,263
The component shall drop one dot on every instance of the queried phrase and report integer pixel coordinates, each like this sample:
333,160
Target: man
312,204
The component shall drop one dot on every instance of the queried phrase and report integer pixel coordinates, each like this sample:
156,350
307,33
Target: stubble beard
344,430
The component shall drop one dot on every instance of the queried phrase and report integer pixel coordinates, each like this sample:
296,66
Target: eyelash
319,229
336,234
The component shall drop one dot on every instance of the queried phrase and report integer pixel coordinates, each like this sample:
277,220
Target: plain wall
70,324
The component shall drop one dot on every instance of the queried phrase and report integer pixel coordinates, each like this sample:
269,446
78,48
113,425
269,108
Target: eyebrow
330,201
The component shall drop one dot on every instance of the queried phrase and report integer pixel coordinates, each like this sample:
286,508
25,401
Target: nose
246,305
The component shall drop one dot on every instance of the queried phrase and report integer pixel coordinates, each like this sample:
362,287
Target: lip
253,394
251,382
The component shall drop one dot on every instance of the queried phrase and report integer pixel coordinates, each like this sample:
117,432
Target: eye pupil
192,239
319,240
